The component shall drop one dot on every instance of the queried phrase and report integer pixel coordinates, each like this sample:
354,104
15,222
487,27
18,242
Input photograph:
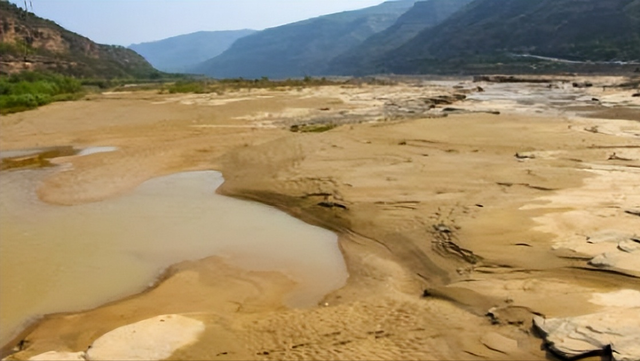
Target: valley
459,228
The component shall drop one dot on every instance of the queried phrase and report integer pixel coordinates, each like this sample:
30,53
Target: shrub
28,90
184,86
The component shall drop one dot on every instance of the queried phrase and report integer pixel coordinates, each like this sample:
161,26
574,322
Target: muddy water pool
68,258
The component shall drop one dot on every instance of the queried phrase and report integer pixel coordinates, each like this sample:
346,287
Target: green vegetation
311,128
28,90
224,85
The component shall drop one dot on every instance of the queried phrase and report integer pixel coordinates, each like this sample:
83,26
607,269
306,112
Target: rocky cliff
28,42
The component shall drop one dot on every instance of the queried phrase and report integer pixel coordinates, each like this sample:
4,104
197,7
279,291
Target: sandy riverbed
456,230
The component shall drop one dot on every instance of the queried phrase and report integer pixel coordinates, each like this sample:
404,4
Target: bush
223,85
187,87
28,90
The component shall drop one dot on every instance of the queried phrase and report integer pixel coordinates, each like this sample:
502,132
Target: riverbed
70,258
461,224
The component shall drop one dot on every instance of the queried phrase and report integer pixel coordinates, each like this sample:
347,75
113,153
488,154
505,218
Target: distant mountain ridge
179,54
487,30
302,48
402,37
424,14
28,42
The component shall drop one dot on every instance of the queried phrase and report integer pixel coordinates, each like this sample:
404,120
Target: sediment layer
457,227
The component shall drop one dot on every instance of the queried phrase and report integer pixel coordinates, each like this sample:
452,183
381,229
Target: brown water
61,258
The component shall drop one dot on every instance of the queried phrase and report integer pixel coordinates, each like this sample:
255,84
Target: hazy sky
125,22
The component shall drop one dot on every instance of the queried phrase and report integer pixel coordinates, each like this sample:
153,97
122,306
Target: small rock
511,315
441,228
602,260
582,85
621,262
614,156
328,204
524,156
629,246
608,236
633,212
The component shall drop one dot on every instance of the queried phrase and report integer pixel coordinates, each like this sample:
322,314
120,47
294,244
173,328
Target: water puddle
57,258
43,157
32,158
94,150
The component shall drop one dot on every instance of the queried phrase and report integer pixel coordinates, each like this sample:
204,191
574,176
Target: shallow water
61,258
94,150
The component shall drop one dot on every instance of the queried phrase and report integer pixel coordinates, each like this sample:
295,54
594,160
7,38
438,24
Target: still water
67,258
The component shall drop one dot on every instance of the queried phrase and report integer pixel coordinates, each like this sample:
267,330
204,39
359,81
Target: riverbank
451,226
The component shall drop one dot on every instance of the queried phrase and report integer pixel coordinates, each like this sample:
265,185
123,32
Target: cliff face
28,42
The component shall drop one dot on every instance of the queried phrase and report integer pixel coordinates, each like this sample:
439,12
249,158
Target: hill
489,30
424,14
170,54
302,48
28,42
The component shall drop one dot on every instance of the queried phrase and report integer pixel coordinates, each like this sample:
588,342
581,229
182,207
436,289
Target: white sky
125,22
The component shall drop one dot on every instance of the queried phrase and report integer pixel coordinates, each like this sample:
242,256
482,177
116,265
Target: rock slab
156,338
576,336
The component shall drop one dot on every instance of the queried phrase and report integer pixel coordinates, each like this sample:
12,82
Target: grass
224,85
29,90
312,128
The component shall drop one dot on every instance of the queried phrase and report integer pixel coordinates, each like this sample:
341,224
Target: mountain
302,48
180,53
424,14
28,42
489,30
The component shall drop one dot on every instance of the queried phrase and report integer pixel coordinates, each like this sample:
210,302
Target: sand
454,229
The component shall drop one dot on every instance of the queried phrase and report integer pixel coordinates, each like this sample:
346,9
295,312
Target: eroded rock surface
576,336
152,339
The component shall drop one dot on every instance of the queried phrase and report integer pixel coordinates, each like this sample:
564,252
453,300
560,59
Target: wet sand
455,230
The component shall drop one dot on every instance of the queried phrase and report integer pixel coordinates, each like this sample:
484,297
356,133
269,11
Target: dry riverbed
474,218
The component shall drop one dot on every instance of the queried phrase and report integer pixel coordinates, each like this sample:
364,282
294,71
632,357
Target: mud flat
482,234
